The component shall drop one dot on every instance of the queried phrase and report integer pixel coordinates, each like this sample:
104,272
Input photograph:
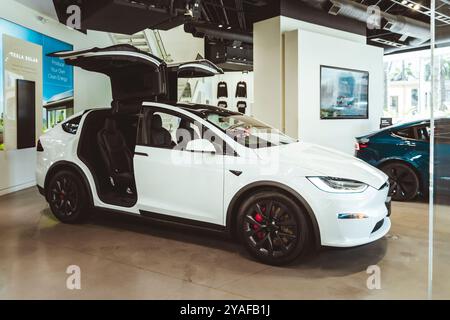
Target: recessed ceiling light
220,25
229,27
417,7
404,2
242,48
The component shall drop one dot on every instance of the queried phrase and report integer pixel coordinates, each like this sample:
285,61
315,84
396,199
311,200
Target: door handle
143,154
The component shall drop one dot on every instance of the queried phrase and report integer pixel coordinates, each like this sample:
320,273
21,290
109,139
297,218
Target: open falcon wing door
195,69
135,75
191,69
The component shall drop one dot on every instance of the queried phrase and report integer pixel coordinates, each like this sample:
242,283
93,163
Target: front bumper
350,240
369,213
41,190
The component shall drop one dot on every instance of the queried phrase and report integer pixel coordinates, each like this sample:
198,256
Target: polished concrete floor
126,258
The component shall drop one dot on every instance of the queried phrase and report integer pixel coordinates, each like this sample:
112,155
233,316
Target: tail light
39,147
361,144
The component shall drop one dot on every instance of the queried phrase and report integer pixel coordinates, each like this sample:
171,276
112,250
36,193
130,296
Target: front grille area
378,226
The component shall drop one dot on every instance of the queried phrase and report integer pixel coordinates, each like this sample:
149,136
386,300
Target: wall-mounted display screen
55,79
344,93
26,115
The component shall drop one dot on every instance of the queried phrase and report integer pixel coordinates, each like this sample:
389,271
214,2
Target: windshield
248,131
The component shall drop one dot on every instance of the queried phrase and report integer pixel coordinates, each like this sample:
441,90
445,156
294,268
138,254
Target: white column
291,83
268,72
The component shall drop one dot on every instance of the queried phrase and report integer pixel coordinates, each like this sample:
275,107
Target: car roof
413,122
403,124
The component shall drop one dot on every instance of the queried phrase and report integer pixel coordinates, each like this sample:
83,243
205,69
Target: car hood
325,162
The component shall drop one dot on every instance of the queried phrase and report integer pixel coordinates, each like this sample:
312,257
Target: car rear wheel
404,182
68,198
273,228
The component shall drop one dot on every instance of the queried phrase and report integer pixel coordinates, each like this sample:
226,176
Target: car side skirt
182,221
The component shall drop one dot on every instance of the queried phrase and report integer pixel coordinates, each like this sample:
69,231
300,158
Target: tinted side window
72,126
423,133
405,133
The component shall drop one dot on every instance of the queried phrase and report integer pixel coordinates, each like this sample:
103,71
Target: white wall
291,80
91,90
182,46
313,50
288,54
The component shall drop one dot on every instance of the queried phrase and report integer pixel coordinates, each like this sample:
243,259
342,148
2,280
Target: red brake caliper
259,219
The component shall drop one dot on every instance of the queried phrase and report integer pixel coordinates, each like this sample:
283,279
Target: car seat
159,136
185,133
116,156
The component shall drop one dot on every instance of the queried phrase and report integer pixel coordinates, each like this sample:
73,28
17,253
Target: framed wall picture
344,93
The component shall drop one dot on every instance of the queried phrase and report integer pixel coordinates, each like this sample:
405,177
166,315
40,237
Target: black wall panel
26,114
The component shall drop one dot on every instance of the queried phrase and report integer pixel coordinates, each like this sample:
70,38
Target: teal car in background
402,151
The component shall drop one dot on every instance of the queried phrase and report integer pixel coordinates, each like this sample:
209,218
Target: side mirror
200,145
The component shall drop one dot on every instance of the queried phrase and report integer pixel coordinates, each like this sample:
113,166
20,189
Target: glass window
393,105
439,284
405,133
414,98
423,133
72,125
248,131
170,130
170,122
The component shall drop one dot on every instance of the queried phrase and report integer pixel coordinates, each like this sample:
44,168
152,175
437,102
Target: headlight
338,185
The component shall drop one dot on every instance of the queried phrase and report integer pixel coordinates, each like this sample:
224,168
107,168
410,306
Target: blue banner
57,76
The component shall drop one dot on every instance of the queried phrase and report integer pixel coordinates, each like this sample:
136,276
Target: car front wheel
68,198
273,228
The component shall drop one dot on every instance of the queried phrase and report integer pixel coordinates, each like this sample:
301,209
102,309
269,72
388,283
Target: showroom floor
124,258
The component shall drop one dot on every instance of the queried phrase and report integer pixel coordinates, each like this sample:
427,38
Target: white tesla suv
204,166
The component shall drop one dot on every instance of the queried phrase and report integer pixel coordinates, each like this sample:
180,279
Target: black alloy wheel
67,197
273,228
404,182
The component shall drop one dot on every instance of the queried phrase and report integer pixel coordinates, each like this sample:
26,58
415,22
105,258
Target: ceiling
404,24
417,13
237,14
44,7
